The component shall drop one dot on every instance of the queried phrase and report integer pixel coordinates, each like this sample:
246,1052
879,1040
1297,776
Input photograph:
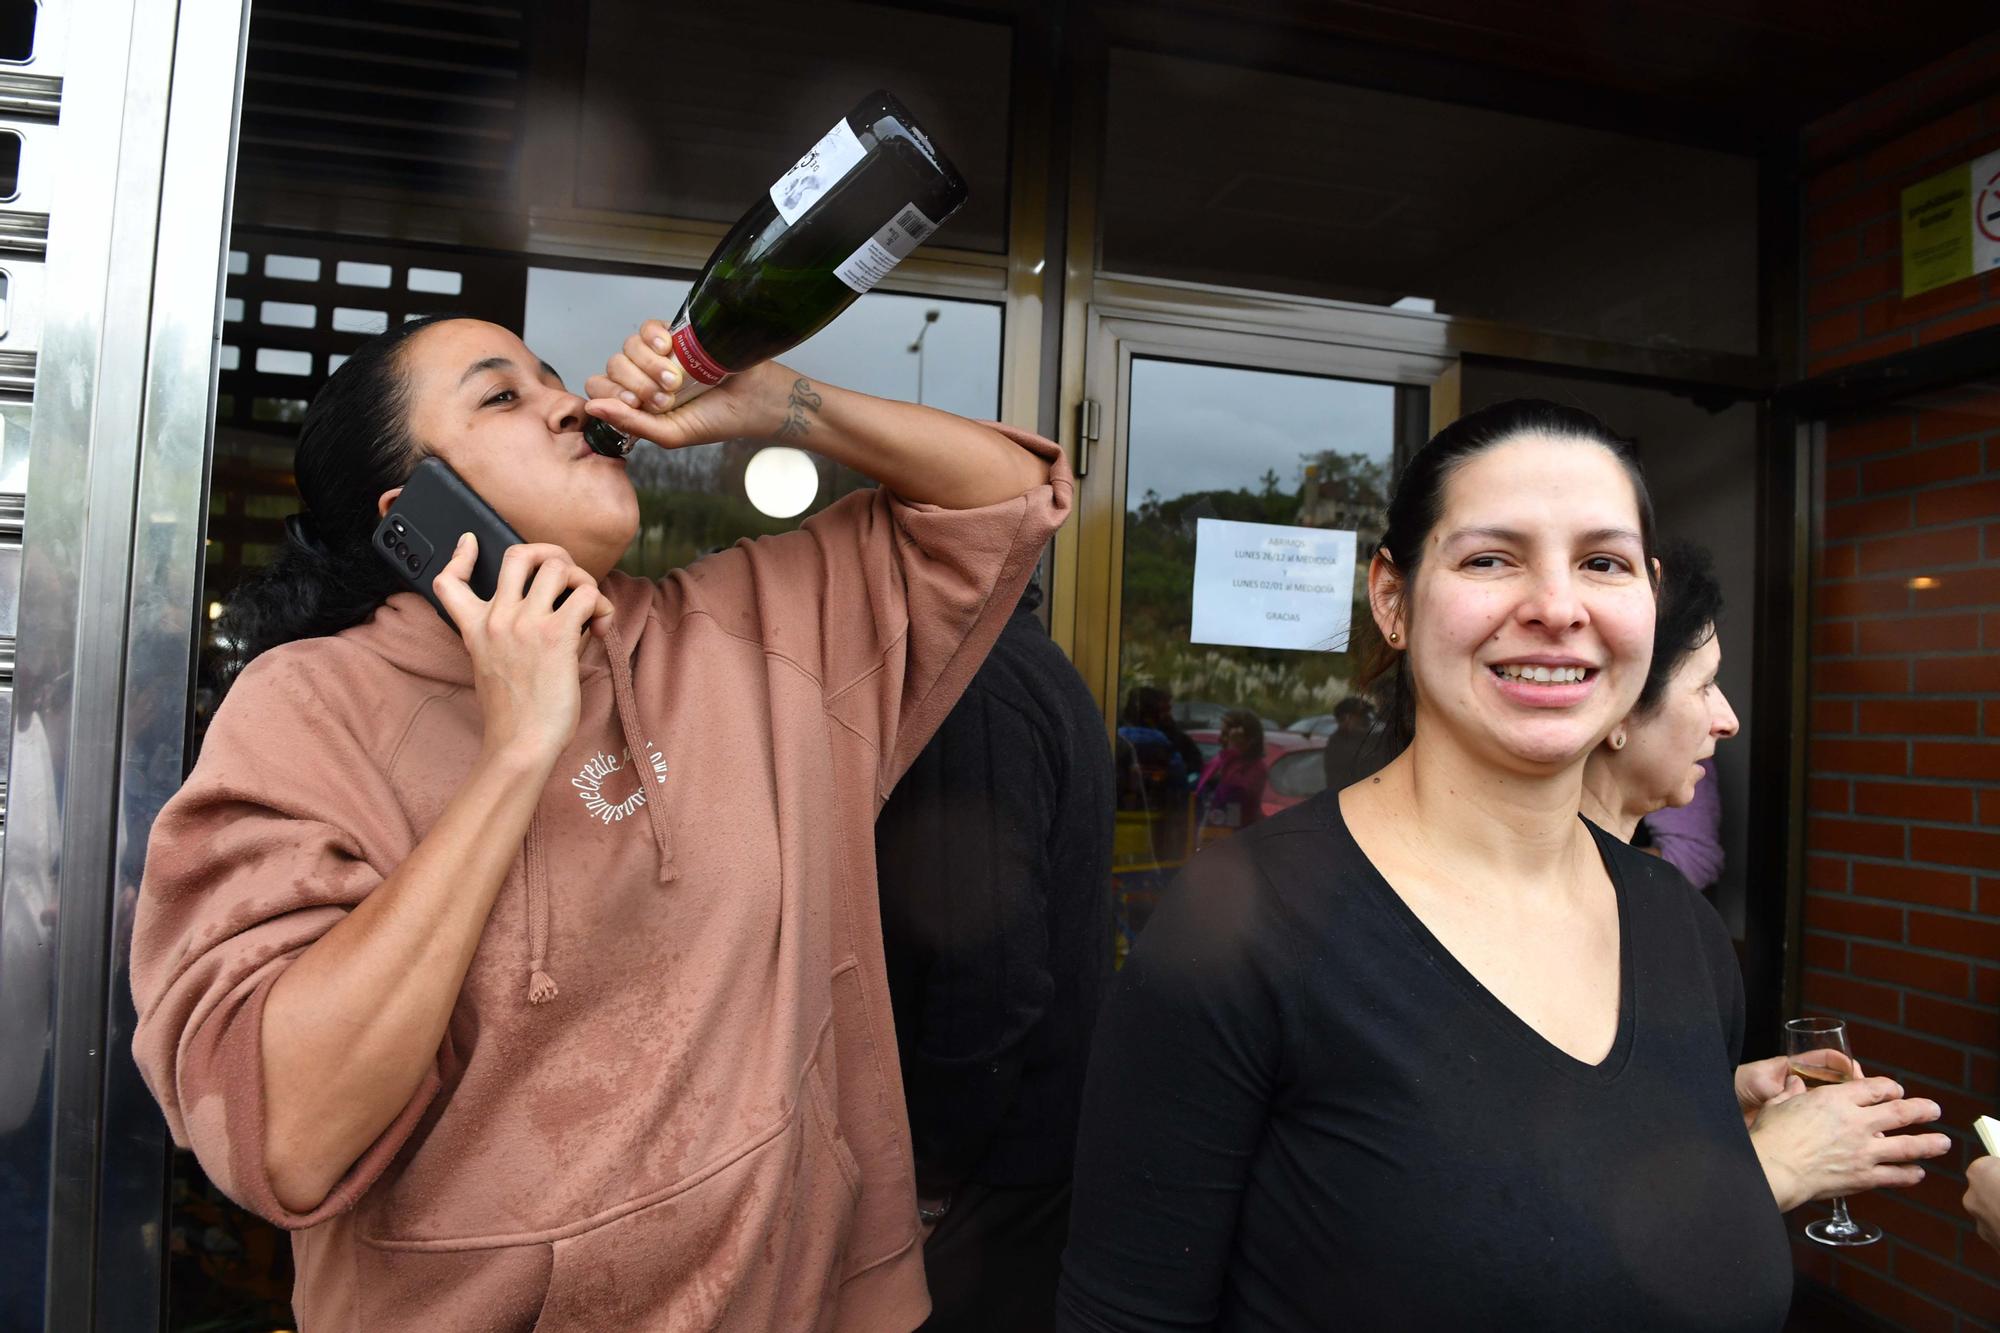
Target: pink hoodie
668,1097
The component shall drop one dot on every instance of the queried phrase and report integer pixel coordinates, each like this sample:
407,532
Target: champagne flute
1818,1052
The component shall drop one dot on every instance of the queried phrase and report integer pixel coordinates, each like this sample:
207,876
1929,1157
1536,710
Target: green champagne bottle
868,193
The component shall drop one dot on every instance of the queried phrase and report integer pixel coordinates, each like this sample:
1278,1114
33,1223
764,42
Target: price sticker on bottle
838,152
880,253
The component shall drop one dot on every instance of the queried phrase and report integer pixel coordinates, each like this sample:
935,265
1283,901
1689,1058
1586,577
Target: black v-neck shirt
1303,1113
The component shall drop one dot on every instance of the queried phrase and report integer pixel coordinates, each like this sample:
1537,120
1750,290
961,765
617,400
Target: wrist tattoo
803,403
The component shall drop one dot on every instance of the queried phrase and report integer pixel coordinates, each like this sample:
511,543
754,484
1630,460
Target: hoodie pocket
757,1247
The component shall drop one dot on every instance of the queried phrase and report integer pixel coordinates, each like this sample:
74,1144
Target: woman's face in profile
1661,761
1531,625
489,407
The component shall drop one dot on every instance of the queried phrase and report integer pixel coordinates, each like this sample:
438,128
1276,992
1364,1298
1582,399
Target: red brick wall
1853,264
1902,905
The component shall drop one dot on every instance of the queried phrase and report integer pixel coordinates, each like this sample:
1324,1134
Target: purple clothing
1230,794
1689,837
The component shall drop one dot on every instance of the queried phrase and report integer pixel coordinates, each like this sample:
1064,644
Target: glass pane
694,501
17,30
736,126
10,164
1305,455
1391,200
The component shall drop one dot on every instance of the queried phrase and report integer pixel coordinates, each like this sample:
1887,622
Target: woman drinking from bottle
1432,1051
529,971
1823,1144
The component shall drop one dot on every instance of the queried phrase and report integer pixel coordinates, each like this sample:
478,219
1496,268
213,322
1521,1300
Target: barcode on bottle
885,249
914,224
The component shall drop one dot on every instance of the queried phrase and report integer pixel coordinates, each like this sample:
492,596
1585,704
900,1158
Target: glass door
1228,506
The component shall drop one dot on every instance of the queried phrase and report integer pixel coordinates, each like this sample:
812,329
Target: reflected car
1193,713
1295,775
1199,713
1275,743
1319,724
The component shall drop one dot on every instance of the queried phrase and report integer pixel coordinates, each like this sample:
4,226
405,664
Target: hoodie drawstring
541,986
651,780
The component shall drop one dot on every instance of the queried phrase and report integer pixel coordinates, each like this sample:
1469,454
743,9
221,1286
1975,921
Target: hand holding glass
1819,1054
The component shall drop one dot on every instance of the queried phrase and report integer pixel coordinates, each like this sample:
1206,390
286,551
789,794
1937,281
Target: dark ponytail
354,445
1418,504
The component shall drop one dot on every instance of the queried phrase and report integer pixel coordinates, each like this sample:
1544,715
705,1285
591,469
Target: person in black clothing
1360,743
1822,1144
1157,706
1434,1052
994,855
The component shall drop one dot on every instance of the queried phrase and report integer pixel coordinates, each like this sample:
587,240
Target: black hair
1690,607
355,444
1143,704
1418,503
1354,705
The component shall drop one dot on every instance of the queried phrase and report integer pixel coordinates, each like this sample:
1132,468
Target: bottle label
838,152
698,364
887,248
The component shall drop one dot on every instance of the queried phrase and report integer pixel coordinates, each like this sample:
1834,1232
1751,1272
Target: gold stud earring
1618,740
1395,637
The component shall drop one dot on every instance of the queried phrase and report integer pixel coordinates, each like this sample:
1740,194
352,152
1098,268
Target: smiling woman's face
1530,627
486,405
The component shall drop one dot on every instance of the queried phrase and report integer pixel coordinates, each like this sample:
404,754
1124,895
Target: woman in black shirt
1433,1052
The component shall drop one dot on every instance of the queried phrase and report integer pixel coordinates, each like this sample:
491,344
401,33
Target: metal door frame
111,580
1089,565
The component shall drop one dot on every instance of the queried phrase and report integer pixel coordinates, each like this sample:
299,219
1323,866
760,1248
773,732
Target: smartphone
423,526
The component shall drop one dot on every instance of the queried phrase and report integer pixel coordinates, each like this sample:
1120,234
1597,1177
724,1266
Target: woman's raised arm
922,454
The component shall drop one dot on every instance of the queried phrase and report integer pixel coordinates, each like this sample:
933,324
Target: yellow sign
1951,226
1937,231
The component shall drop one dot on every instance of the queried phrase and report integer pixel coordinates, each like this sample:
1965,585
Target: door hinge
1089,422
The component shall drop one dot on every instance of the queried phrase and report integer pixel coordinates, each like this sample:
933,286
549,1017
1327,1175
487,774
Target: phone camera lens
402,549
389,539
415,564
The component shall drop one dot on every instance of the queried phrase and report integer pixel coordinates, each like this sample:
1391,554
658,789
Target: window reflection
733,135
694,501
1388,199
1213,738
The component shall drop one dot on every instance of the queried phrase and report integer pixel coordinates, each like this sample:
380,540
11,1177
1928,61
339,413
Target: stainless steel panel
10,589
55,885
17,374
164,619
6,722
22,302
33,95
